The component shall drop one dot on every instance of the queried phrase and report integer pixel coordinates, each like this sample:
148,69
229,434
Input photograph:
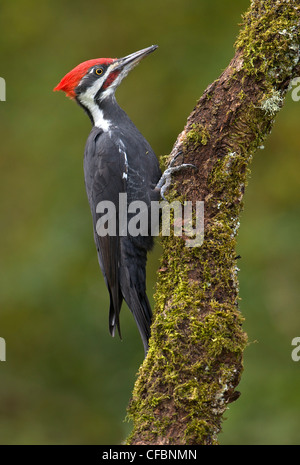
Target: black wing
104,181
110,171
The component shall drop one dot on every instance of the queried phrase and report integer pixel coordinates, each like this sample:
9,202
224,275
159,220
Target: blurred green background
66,381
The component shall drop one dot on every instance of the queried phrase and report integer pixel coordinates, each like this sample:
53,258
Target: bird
117,160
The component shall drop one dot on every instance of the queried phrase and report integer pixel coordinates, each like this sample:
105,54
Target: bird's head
94,80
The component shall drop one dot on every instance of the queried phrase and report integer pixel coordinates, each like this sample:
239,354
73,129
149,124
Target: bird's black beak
130,61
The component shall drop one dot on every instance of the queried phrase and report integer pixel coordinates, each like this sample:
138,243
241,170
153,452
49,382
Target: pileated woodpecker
117,160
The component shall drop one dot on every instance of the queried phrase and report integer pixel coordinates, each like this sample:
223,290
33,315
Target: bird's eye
98,71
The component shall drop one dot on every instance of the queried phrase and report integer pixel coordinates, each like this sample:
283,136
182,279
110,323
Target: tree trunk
195,359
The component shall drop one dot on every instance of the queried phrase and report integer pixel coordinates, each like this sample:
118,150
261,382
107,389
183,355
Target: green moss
241,95
195,313
189,383
196,431
269,39
191,314
198,135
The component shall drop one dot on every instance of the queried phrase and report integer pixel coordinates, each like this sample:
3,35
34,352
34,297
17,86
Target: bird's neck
103,113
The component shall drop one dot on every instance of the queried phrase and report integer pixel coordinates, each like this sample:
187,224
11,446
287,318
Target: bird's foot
166,178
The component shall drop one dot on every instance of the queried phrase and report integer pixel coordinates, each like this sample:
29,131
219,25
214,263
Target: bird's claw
166,179
175,158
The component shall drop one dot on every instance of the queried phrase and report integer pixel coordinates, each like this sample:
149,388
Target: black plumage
120,160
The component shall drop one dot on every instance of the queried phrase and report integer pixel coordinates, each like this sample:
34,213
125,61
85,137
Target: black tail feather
133,289
116,300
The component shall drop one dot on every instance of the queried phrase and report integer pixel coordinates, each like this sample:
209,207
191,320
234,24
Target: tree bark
195,359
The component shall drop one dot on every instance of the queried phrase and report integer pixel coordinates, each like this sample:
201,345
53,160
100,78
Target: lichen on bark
195,359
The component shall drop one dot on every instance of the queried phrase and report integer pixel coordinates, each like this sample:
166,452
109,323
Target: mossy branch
195,358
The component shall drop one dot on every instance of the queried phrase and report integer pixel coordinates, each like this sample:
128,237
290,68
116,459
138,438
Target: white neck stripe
87,100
